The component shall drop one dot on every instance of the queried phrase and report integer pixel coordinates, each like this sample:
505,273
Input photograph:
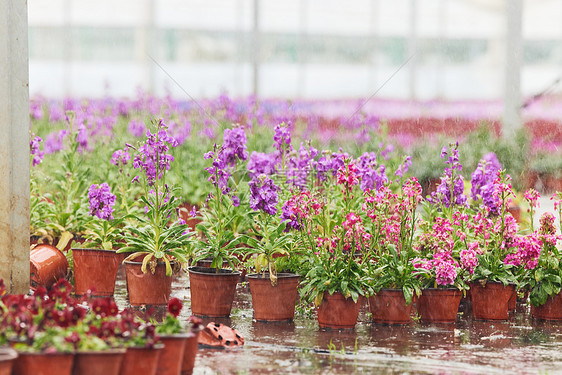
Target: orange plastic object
220,336
47,265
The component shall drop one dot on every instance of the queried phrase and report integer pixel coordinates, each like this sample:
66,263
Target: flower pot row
175,355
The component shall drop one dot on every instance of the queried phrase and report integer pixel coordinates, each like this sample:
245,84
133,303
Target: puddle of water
518,346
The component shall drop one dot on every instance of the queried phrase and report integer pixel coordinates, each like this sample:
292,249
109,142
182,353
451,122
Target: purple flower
291,216
372,176
54,141
282,138
264,194
120,157
101,201
235,201
483,182
261,163
34,149
219,173
82,138
136,128
234,145
152,156
451,182
300,164
403,168
445,268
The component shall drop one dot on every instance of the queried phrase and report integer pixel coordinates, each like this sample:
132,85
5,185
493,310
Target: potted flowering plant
178,339
395,279
538,258
157,242
332,243
273,294
213,288
441,247
95,266
495,240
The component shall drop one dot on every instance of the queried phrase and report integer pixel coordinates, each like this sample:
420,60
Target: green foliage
395,270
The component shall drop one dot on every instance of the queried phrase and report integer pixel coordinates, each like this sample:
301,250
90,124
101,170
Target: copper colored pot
137,361
43,364
105,362
171,357
7,358
388,306
490,302
274,303
551,310
190,353
96,270
47,265
439,305
147,288
212,292
338,312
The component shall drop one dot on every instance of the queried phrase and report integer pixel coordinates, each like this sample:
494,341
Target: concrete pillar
14,146
512,65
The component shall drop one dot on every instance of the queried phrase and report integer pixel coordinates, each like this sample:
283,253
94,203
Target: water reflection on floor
518,346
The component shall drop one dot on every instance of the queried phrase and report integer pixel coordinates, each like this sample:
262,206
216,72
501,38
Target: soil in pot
274,303
147,288
388,306
338,312
105,362
439,305
7,358
490,302
47,265
212,292
550,310
43,364
95,269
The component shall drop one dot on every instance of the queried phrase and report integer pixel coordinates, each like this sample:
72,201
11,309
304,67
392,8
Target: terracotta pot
439,305
212,293
388,306
95,269
7,358
490,302
190,352
171,357
512,303
274,303
43,364
137,361
338,312
147,288
551,310
47,265
106,362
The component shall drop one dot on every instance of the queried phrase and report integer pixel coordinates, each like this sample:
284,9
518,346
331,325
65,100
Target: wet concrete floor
520,345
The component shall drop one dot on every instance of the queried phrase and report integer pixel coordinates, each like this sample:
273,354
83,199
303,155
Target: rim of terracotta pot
7,353
43,353
93,249
133,262
281,275
156,346
213,271
183,335
104,351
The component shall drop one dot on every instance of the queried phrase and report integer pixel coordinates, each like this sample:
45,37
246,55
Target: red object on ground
220,336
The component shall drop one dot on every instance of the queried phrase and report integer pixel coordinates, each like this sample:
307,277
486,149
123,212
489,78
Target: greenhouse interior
280,187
